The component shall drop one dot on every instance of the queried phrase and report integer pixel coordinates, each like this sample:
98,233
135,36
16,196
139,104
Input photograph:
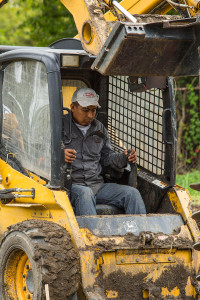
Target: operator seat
121,176
103,209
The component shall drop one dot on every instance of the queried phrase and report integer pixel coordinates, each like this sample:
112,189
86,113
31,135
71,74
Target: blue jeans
122,196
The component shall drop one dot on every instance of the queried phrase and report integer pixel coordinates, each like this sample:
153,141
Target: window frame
52,65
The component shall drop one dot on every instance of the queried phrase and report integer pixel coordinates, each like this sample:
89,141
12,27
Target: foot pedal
196,247
196,216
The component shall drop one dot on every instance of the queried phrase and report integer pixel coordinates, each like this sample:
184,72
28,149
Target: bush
188,124
186,179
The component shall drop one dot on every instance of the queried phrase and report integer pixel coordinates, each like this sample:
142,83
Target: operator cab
39,83
136,116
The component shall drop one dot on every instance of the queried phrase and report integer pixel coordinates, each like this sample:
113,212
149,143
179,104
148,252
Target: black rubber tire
52,256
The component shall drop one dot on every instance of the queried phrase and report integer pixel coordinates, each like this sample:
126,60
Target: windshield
26,115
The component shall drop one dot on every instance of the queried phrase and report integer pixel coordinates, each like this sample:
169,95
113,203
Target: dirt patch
175,276
172,242
144,241
127,286
195,207
155,18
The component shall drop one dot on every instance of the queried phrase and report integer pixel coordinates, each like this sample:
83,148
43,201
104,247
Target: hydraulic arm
94,26
95,19
127,38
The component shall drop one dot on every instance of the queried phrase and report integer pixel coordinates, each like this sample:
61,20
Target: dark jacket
94,151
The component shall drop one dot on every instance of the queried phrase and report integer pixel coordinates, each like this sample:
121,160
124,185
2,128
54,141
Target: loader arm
141,7
170,44
94,26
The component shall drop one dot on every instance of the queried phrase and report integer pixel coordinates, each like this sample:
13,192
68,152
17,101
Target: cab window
26,115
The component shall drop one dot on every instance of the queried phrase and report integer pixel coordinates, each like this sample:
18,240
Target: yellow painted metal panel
153,272
52,202
69,220
174,292
67,93
181,200
153,263
90,23
137,7
89,271
189,290
123,257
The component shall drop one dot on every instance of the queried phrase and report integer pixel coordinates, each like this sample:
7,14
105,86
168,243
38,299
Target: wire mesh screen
135,121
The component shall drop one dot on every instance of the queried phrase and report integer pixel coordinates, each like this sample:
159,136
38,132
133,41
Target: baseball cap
86,97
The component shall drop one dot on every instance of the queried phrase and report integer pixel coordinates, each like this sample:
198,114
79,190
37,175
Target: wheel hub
18,276
27,280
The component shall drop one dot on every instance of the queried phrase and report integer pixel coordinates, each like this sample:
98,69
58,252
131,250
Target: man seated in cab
90,150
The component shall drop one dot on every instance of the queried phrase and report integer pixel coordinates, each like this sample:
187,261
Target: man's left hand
132,156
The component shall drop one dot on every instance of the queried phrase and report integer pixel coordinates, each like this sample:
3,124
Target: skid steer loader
46,251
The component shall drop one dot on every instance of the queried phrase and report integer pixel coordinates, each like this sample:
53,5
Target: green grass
186,179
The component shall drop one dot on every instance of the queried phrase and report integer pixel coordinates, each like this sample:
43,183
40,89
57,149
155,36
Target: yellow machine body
112,266
106,261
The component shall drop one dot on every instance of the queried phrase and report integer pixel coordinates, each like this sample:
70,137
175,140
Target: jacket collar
93,125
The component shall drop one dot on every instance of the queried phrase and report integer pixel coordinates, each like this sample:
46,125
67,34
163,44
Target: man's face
83,115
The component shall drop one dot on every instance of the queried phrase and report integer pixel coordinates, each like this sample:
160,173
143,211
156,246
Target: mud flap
163,48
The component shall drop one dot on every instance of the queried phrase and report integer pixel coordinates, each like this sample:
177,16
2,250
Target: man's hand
132,155
70,155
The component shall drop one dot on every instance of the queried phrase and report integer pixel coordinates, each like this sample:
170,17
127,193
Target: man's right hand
70,155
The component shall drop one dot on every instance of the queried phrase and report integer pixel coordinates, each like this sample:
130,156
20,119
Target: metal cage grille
135,121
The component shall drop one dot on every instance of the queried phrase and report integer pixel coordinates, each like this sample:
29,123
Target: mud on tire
35,253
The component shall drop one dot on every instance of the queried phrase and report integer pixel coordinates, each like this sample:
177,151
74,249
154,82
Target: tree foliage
12,31
35,22
191,136
188,123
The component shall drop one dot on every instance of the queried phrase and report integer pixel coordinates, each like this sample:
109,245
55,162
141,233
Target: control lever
68,176
132,180
68,166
